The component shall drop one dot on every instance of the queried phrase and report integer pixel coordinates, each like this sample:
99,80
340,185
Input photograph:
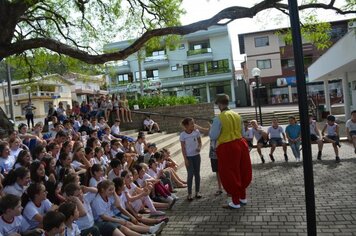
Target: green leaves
159,101
313,31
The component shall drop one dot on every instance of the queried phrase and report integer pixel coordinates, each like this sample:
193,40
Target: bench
342,139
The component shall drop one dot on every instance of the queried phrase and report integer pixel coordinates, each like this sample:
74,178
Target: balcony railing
21,96
219,71
198,51
194,74
154,62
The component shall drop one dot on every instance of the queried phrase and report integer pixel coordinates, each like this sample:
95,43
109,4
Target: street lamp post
256,73
28,88
253,86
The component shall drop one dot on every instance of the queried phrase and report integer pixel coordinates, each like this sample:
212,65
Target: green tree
73,27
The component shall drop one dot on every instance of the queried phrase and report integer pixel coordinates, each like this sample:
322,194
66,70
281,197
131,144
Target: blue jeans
193,170
295,149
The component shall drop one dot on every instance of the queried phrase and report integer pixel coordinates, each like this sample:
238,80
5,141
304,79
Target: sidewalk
276,199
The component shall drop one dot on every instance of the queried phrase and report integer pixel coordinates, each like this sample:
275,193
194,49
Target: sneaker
263,160
159,131
164,219
149,132
285,157
156,229
272,158
319,156
234,206
174,196
157,213
172,203
243,201
337,159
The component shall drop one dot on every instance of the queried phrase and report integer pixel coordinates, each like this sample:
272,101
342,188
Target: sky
204,9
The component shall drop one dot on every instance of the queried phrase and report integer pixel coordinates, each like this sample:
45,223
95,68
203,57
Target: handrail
167,115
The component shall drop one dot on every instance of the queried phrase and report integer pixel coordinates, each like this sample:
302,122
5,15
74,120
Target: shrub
160,101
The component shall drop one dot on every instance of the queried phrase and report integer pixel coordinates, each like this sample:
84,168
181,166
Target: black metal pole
255,103
304,120
258,99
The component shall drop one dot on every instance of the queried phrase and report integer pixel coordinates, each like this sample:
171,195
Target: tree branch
231,13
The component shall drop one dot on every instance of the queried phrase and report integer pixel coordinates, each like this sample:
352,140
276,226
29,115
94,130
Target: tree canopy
73,27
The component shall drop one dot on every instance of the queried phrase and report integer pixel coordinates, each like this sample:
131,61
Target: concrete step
176,152
161,138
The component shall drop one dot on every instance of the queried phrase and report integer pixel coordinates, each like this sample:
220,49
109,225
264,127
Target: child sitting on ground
71,213
11,220
53,223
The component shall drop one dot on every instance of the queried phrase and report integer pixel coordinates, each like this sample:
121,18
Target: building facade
268,51
201,66
50,89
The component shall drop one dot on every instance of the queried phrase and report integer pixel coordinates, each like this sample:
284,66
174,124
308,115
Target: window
156,52
199,45
16,91
261,41
174,68
124,78
264,64
215,67
152,74
194,70
287,63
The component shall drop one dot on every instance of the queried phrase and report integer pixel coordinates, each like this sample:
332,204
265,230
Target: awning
339,59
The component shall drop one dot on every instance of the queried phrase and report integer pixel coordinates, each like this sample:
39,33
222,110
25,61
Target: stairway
268,116
166,140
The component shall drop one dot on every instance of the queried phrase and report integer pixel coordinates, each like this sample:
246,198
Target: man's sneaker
272,158
285,157
243,201
149,132
174,196
263,159
234,206
337,159
156,229
319,156
157,213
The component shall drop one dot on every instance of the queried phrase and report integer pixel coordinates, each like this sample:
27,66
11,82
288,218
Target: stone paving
276,199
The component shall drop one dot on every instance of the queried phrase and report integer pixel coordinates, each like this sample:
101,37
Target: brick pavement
276,199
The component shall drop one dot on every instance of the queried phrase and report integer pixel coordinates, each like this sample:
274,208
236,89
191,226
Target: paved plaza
276,199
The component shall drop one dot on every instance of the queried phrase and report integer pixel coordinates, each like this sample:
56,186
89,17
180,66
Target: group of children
85,179
277,136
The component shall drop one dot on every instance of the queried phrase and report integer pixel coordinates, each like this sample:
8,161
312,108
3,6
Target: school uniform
14,189
31,210
17,225
194,159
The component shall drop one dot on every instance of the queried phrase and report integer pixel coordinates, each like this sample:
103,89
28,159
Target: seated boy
149,125
274,133
11,220
53,223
